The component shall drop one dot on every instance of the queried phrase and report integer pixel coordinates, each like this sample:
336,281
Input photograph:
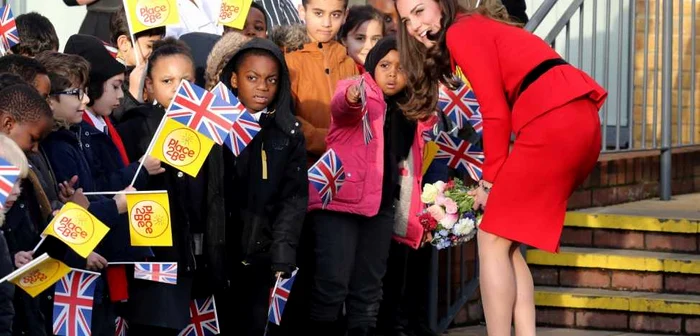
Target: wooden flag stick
134,43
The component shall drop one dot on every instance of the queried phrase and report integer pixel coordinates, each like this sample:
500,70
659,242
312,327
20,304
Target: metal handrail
563,21
540,15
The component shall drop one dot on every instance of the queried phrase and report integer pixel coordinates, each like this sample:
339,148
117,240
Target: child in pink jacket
354,231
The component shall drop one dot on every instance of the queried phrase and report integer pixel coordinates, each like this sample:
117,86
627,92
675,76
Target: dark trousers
405,301
351,253
247,304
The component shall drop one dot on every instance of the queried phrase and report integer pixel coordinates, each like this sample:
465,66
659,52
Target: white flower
429,194
463,227
440,186
448,221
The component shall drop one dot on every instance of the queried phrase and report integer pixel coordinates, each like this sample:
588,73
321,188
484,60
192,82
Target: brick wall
648,45
626,178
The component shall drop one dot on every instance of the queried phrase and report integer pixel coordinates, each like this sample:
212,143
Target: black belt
538,71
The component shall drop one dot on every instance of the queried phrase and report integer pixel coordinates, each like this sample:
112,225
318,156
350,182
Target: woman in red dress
525,88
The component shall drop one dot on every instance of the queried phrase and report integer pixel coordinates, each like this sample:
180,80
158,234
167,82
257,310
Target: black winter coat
7,290
197,210
267,185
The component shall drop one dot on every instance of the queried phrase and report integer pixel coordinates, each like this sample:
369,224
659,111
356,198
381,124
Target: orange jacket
314,71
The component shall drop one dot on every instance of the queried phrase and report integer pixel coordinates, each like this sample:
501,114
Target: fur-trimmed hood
290,38
221,55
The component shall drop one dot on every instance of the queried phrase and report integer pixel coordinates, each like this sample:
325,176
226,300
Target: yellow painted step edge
615,262
609,302
624,222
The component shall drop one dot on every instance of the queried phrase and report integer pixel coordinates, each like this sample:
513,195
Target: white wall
65,19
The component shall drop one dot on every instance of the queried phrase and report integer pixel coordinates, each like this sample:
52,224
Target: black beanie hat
383,47
102,65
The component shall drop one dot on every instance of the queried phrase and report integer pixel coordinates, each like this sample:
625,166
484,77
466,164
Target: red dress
555,121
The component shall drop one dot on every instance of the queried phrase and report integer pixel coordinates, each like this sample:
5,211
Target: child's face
69,105
166,75
361,40
254,24
323,18
111,93
391,17
256,81
42,83
14,195
145,44
389,75
27,135
421,17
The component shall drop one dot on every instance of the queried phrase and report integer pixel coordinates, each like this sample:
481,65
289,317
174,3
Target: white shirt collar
98,121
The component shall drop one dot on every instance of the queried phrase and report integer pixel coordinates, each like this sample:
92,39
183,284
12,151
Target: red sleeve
474,50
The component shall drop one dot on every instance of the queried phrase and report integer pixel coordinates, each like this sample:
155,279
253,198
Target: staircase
621,272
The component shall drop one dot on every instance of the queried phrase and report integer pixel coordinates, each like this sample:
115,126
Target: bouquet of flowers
449,219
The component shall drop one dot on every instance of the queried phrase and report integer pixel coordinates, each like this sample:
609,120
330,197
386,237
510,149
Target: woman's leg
497,282
524,312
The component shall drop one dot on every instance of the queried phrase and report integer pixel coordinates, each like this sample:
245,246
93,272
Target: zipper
326,68
263,156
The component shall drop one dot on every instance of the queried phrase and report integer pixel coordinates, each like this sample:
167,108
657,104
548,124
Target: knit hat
102,65
383,47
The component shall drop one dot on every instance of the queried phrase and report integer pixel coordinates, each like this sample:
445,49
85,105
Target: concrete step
593,228
481,331
618,310
627,270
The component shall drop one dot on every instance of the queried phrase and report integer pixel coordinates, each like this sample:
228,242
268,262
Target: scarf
112,132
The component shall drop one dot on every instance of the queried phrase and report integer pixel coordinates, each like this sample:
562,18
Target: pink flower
437,212
450,206
440,200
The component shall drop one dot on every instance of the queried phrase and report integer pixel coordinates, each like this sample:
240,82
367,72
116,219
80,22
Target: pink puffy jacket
364,164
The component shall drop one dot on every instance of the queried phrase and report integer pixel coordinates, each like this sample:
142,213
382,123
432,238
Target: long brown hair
426,68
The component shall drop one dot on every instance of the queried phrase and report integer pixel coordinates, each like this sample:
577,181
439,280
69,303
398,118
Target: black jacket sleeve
7,290
286,229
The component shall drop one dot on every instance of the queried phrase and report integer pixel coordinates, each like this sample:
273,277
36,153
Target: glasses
80,93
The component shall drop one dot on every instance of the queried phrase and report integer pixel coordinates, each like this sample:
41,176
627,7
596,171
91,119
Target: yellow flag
147,14
77,228
234,12
38,275
182,147
149,219
429,152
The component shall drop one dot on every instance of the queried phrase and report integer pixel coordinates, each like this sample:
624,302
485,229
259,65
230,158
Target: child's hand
67,189
353,94
80,199
120,199
96,262
152,165
23,257
136,81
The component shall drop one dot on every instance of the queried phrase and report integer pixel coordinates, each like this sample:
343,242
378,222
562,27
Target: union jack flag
205,322
158,272
460,106
202,111
242,132
279,297
8,29
121,327
72,306
327,175
221,91
9,174
460,154
366,126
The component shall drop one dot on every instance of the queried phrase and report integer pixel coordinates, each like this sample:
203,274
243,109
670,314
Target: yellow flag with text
181,147
77,228
234,13
149,219
147,14
38,275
